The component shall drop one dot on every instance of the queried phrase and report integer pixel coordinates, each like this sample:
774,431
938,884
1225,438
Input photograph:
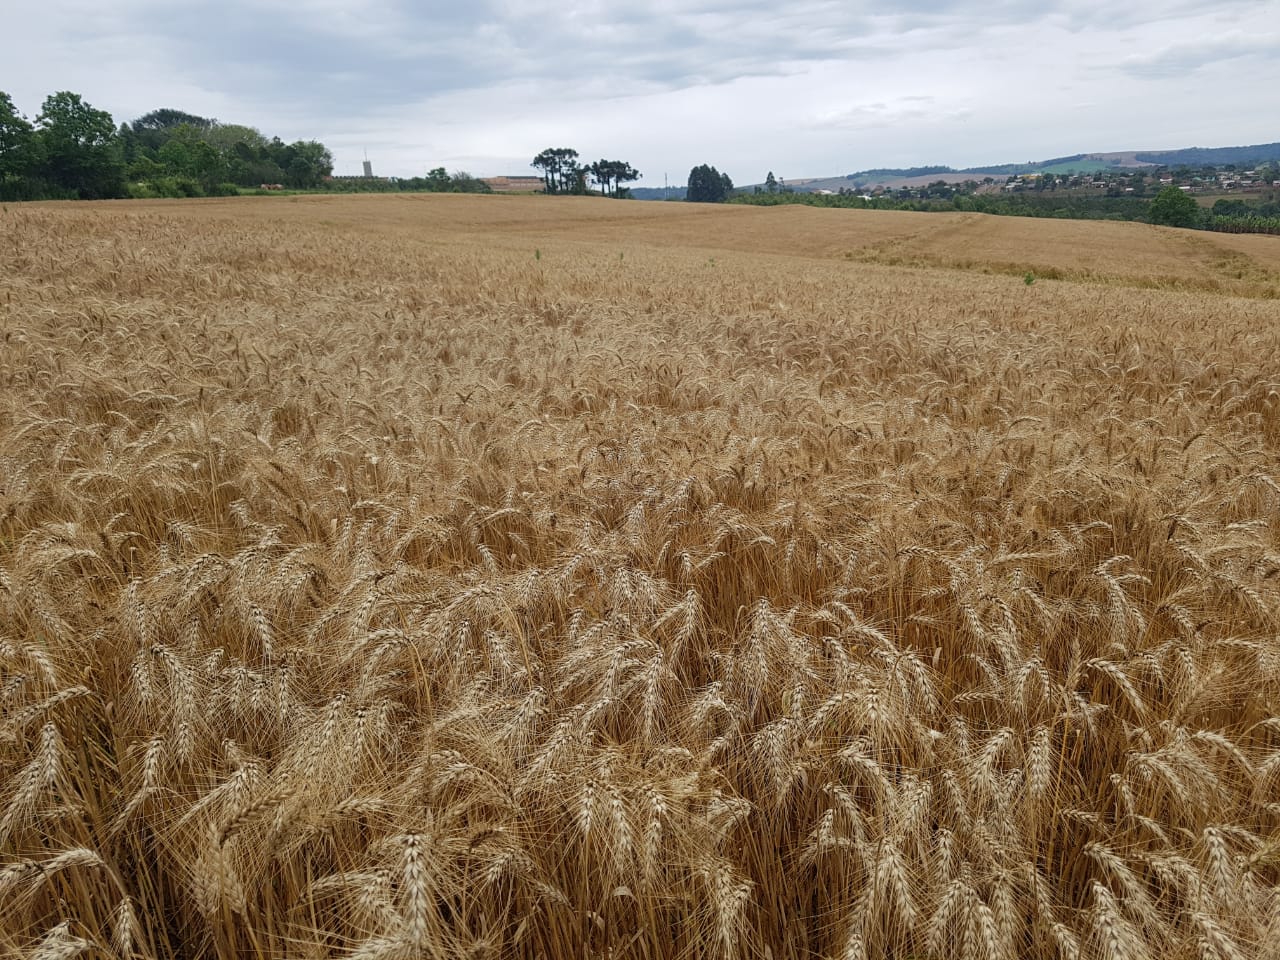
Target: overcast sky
799,87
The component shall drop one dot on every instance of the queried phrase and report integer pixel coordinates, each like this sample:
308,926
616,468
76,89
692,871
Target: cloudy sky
800,87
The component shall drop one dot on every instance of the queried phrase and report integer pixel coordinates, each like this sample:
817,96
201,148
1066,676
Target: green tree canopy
18,153
1174,207
462,182
168,117
152,128
611,174
226,137
1230,208
561,172
305,162
708,185
80,146
74,150
439,180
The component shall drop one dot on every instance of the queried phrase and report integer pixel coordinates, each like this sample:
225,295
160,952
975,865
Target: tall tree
1174,207
187,154
708,185
310,164
560,170
81,149
771,183
625,173
611,174
602,174
225,136
438,180
18,154
154,128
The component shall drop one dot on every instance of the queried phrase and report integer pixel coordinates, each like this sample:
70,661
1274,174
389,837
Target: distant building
368,169
516,184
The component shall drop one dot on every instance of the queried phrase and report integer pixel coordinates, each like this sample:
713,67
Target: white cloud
812,87
1177,60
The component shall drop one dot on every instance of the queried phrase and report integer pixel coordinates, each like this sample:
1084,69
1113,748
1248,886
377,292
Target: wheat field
515,577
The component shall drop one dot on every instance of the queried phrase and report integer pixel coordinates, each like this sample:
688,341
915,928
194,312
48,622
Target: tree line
71,150
437,180
708,185
1170,207
562,173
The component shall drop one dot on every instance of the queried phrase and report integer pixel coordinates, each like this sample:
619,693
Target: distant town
1117,183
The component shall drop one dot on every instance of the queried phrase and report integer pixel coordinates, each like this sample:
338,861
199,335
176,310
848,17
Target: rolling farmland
443,576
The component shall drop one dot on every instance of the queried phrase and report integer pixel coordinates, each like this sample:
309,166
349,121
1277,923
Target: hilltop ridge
893,177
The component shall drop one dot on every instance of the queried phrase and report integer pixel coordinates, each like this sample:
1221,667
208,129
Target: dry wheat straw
372,588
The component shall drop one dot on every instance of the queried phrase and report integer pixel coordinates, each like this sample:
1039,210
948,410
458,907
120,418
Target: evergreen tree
708,185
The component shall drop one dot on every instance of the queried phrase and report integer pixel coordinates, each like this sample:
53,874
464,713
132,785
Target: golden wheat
495,576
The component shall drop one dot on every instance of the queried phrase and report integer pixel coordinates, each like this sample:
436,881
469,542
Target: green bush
170,188
1174,207
176,188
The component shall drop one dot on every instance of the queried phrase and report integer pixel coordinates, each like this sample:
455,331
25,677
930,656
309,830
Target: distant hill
1213,156
893,177
658,193
918,176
